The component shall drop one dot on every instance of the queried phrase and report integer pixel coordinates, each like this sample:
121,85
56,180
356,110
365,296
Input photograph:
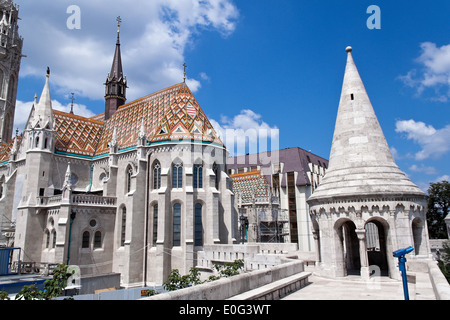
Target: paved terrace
353,288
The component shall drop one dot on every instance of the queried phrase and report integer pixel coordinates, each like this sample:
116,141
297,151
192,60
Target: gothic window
128,179
97,240
37,142
198,175
54,239
216,175
198,225
177,175
123,226
157,175
1,82
2,182
176,224
155,224
11,85
85,240
47,239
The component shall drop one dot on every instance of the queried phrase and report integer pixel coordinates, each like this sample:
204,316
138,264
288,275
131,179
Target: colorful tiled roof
5,149
172,114
77,135
169,114
250,185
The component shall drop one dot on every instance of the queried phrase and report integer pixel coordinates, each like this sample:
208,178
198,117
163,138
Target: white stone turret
364,195
360,159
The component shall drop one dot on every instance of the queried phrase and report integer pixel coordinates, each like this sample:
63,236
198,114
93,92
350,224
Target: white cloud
423,169
434,72
445,177
395,153
154,35
434,143
247,133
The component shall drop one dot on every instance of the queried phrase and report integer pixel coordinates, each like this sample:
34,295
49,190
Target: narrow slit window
352,97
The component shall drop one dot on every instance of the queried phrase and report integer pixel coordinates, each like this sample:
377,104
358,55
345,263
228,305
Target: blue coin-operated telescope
400,254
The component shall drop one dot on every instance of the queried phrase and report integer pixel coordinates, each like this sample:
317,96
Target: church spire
116,83
43,114
360,158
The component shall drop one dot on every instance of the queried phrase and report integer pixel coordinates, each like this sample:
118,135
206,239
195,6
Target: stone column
361,233
317,246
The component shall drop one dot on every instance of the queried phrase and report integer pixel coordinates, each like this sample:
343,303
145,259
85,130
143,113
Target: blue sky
256,64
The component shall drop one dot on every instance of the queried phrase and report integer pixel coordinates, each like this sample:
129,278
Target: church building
137,190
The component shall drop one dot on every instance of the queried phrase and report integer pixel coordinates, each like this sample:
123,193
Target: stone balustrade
77,200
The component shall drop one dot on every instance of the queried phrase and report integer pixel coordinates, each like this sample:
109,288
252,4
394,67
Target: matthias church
136,190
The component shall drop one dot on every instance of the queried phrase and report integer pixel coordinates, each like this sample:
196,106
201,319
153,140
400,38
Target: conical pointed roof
43,110
116,68
360,160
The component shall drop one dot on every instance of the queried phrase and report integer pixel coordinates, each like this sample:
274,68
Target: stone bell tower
10,56
116,82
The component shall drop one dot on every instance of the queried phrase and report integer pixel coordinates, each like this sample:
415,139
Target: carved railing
92,200
77,199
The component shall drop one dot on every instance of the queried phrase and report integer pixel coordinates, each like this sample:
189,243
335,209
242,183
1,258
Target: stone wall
228,287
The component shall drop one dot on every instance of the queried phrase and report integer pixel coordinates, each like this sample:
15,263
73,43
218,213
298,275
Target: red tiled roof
5,149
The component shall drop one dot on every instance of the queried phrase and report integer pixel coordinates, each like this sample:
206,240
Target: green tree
444,260
438,209
52,288
177,281
229,269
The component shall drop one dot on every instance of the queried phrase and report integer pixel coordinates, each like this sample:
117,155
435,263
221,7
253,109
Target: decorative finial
349,49
48,71
71,106
119,21
185,66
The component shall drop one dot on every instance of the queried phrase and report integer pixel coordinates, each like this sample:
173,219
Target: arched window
47,239
123,226
216,175
177,175
11,85
85,240
198,225
157,175
198,175
54,239
2,182
97,240
155,224
129,175
1,82
176,224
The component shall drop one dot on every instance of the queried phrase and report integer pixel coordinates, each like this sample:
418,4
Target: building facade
10,56
365,207
291,177
137,190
